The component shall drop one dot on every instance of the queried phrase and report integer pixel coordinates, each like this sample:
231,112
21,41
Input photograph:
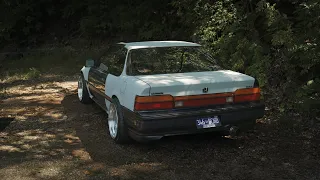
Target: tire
118,129
83,93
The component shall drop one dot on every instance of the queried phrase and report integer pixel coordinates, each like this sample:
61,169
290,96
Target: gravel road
54,136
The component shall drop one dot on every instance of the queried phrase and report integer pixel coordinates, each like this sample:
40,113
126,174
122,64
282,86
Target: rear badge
157,93
205,90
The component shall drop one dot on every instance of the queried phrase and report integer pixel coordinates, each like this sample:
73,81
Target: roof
151,44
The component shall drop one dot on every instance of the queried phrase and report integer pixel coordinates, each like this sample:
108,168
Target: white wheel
113,121
83,93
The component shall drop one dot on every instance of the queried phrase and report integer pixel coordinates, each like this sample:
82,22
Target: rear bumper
156,124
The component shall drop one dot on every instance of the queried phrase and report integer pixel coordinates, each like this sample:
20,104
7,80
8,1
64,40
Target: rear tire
118,129
83,93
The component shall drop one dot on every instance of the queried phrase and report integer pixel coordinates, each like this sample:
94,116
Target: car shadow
4,122
186,156
91,127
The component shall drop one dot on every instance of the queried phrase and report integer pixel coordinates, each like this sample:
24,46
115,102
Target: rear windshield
167,60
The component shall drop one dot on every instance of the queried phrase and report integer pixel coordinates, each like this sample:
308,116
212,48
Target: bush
275,41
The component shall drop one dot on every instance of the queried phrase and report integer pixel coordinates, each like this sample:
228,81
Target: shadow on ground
53,136
260,154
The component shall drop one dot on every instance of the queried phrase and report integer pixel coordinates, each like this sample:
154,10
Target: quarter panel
115,86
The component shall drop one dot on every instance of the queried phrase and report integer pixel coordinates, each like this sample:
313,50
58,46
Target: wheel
117,127
83,93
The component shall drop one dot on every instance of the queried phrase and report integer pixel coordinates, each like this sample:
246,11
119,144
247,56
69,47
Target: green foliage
275,41
32,73
259,39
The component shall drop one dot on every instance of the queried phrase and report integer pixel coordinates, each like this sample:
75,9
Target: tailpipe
234,131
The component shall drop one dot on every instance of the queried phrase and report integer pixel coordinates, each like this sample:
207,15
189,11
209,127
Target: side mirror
90,63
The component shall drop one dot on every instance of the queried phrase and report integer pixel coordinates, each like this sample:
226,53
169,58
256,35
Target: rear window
168,60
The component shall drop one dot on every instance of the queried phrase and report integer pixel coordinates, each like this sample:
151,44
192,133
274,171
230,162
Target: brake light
247,94
246,98
153,102
170,102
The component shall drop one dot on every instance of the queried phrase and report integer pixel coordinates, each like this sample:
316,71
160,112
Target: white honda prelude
161,88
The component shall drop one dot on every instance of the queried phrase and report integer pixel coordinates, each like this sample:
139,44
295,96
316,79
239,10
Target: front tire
83,93
117,127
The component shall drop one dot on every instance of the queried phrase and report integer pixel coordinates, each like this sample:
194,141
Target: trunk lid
195,83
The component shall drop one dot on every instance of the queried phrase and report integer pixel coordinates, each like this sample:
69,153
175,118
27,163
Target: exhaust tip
234,131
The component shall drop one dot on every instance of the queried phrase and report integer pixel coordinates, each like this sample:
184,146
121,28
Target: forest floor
53,136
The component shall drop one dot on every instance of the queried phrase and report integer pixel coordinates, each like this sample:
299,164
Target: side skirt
99,104
99,101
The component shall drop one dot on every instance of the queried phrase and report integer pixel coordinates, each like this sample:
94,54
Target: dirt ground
53,136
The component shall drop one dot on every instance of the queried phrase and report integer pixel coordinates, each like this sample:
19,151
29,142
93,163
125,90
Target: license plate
208,122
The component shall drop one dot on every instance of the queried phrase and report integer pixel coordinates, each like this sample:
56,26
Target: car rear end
166,115
189,94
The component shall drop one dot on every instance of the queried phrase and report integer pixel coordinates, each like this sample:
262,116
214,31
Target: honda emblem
205,90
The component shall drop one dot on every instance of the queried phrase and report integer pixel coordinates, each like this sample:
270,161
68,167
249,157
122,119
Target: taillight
246,91
203,100
247,94
153,102
169,102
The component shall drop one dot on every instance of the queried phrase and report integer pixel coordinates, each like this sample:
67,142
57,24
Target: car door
96,79
110,63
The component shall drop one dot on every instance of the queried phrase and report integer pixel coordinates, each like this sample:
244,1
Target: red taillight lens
151,99
153,106
153,102
202,100
169,102
245,98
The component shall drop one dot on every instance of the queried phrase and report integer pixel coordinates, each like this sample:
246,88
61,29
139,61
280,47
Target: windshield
167,60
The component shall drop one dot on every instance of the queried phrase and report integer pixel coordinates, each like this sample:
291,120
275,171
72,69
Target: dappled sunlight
71,139
40,100
46,169
81,154
38,143
54,136
9,148
190,81
193,78
40,129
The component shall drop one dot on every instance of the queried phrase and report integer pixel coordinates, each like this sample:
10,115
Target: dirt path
53,136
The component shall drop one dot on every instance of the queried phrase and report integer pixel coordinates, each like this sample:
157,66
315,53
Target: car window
114,59
164,60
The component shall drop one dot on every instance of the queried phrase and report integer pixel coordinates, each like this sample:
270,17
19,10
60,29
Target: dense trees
276,41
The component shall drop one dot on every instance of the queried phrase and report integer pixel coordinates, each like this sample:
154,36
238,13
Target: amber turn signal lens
247,91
